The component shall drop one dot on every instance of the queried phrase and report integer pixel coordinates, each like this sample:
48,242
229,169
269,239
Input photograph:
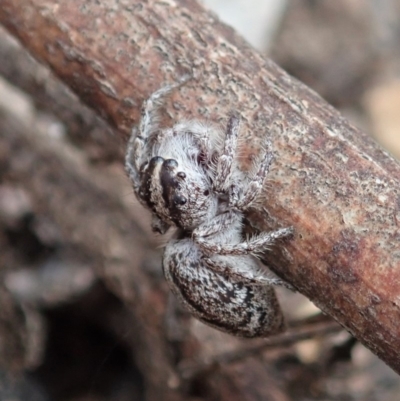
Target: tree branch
330,181
84,127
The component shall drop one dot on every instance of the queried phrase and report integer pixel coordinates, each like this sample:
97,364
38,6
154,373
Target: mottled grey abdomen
225,304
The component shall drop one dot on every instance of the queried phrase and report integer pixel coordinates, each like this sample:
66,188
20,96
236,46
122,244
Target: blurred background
85,313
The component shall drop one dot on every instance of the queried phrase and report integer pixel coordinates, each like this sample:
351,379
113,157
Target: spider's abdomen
228,305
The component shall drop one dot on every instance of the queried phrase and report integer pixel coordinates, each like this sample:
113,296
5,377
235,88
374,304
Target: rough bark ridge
330,181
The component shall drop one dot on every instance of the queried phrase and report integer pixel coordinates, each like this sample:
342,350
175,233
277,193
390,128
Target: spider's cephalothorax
174,184
189,177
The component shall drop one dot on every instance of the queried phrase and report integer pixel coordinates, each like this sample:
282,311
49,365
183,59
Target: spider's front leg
244,190
227,157
242,198
138,146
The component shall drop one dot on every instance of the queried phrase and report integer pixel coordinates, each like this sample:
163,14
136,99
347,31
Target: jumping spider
189,177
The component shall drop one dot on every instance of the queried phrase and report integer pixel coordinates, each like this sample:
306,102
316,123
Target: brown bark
329,181
83,126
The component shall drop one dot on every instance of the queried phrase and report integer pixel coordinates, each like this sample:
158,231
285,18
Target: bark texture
330,182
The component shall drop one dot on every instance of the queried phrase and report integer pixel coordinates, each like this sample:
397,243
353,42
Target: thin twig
189,368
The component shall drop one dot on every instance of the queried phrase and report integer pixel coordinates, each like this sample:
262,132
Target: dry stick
189,369
329,180
50,95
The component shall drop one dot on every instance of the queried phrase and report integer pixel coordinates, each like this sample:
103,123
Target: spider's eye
206,192
170,164
179,200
